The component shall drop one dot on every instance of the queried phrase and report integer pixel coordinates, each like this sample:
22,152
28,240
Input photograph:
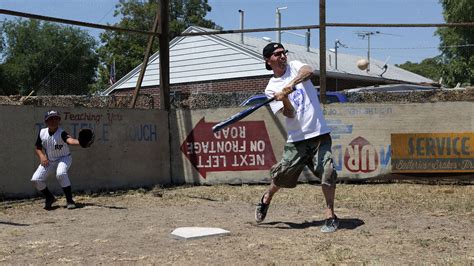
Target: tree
128,49
430,68
47,58
457,55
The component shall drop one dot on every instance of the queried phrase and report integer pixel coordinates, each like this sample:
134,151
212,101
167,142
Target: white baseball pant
61,166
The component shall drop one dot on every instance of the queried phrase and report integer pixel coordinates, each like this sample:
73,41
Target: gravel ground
397,223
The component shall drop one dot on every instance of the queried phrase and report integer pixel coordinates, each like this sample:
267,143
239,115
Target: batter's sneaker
261,211
71,205
330,225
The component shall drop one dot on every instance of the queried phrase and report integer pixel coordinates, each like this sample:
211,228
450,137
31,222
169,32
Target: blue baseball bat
239,115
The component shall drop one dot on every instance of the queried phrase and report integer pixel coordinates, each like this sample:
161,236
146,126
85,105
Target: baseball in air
362,64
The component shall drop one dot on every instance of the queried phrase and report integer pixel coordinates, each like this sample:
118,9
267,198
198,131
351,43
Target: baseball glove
86,137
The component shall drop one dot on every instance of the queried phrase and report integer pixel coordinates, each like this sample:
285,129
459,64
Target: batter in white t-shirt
309,142
308,121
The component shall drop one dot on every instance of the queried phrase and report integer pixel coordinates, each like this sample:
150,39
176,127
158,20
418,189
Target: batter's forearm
305,73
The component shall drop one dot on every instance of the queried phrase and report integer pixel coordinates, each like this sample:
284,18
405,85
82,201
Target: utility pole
367,34
337,43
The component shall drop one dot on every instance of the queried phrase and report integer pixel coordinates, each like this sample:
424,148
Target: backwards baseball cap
50,114
268,51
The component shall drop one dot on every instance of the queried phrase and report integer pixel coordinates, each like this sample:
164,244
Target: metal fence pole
322,51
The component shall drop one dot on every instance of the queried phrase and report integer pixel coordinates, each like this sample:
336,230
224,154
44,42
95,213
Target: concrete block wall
361,139
134,148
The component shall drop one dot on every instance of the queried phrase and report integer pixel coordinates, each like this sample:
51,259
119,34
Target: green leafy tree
2,39
47,58
6,87
128,49
430,68
457,55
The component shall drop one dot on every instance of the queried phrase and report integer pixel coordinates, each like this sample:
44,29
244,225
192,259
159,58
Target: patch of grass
340,254
447,239
16,232
365,233
425,243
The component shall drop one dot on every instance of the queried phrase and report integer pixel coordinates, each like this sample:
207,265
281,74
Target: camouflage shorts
314,153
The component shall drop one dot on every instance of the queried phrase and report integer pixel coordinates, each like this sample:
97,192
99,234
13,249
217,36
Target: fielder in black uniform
54,155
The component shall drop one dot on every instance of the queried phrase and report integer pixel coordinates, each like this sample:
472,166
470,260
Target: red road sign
242,146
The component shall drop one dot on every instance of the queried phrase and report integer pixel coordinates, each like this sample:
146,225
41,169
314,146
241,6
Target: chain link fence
366,61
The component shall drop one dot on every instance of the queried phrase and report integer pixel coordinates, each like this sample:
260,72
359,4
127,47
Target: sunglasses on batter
278,54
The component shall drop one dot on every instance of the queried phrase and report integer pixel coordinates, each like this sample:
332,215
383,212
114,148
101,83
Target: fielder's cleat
48,203
261,211
71,205
330,225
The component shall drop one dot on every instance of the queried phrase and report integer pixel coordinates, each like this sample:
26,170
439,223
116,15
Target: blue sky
396,44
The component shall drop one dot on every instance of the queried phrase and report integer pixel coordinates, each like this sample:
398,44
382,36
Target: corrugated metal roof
215,57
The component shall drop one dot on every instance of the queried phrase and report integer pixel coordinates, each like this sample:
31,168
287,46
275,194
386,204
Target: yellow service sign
433,152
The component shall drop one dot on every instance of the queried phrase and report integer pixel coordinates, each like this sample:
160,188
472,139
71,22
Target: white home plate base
197,232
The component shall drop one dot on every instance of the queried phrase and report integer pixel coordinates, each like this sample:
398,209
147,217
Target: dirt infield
380,224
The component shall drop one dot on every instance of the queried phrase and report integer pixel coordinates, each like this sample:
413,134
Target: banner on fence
433,152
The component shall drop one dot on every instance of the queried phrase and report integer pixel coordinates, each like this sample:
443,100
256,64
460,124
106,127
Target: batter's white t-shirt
309,121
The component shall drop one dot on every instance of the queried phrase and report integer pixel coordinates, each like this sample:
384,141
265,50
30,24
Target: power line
361,25
411,48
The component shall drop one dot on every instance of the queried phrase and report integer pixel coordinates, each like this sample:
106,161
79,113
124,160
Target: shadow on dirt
13,223
83,205
52,208
201,198
344,223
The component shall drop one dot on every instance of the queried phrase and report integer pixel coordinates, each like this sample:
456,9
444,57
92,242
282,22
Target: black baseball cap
50,114
268,51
